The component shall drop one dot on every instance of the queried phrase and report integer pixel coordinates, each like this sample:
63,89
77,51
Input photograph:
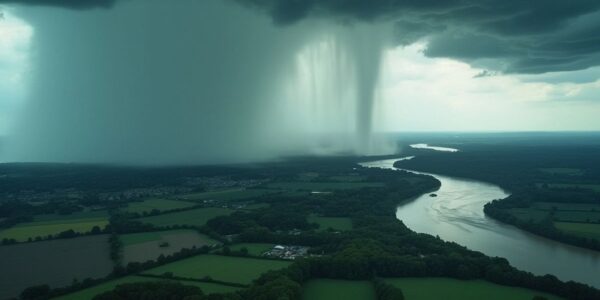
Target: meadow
563,171
322,186
149,205
223,268
194,217
24,231
330,289
334,223
454,289
55,262
580,229
594,187
254,249
141,247
226,195
564,212
89,293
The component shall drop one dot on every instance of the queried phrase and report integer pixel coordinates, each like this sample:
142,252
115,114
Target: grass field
21,232
565,212
322,186
580,229
55,262
567,206
229,194
141,247
224,268
325,223
329,289
255,249
578,216
527,214
594,187
348,178
195,217
454,289
158,204
89,293
563,171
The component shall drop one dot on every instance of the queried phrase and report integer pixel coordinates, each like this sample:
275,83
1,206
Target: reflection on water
456,214
436,148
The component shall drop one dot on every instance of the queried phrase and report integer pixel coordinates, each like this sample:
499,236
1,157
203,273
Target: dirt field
141,247
55,263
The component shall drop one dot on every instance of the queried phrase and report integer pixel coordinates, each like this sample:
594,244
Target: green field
89,293
580,229
22,232
255,249
223,268
87,214
143,237
563,171
594,187
194,217
567,206
156,204
229,194
527,214
329,289
348,178
454,289
322,186
564,212
325,223
577,216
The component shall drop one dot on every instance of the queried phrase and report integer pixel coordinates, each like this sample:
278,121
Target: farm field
255,249
141,247
156,204
577,216
89,293
527,214
580,229
322,186
22,232
329,289
326,223
223,268
454,289
594,187
55,262
229,194
562,213
194,217
567,206
563,171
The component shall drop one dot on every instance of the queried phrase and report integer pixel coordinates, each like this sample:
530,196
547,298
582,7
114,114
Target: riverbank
456,214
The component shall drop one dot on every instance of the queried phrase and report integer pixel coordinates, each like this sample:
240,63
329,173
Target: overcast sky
461,65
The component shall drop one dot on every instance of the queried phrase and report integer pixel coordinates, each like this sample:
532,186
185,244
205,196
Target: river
456,214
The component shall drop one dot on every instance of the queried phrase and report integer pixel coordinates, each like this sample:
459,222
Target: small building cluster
287,252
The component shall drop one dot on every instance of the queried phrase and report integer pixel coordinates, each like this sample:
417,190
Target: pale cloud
420,93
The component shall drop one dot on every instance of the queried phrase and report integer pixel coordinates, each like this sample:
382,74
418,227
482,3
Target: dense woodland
379,246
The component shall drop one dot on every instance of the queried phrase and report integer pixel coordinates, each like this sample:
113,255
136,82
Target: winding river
456,214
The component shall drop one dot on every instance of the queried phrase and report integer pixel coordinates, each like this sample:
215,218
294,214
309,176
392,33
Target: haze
157,82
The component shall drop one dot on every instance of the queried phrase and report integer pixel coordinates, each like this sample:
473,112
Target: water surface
456,214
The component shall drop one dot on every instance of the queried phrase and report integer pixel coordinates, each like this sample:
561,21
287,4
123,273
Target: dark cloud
73,4
512,36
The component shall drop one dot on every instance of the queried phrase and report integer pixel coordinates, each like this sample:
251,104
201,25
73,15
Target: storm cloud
510,36
72,4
